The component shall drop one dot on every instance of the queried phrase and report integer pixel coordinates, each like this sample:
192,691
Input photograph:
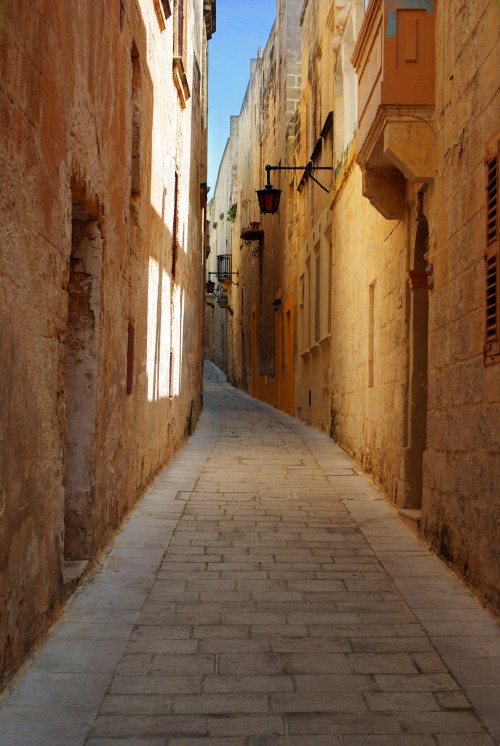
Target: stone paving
263,593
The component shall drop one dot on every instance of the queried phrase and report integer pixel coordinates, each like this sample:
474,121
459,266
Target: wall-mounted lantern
210,287
276,303
269,196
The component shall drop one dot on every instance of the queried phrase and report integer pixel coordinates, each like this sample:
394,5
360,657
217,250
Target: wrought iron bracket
307,169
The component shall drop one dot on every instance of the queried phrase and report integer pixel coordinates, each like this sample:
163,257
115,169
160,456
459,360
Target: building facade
261,327
387,269
222,260
427,144
103,168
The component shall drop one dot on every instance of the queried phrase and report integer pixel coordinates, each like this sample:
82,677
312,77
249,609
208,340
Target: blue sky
242,27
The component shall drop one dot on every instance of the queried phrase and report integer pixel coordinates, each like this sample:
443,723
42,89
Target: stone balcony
394,58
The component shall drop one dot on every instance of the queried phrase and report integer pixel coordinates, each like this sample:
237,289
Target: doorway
80,379
416,436
253,374
288,401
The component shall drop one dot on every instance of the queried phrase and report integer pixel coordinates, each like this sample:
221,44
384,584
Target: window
175,227
179,28
302,314
330,283
130,357
317,292
180,56
171,372
492,336
317,97
163,12
307,305
307,119
135,186
371,332
346,95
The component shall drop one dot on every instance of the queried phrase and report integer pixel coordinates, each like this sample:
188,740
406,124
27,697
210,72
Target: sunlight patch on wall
177,323
158,332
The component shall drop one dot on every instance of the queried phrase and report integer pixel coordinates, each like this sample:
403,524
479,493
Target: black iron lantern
269,199
276,303
268,196
210,287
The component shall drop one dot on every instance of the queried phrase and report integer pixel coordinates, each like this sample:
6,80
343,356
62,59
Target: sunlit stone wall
102,141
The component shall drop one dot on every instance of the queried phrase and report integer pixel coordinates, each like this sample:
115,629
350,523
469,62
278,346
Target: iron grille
224,266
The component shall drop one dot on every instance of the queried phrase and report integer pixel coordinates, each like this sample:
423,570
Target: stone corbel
410,147
386,190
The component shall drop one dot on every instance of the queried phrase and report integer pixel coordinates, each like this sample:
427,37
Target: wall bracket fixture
224,277
269,196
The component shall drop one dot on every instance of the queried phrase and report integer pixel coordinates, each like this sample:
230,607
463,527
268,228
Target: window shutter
492,338
180,56
491,300
491,200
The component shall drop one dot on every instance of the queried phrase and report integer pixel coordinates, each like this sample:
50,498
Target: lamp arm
307,170
309,167
318,183
225,275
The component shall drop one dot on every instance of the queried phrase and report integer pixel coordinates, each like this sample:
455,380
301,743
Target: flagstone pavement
263,593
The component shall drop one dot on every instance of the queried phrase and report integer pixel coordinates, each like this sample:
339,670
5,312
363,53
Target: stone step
412,518
73,572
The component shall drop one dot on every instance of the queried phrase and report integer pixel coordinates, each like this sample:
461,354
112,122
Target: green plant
231,213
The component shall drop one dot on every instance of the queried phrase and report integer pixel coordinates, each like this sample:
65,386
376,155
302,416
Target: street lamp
269,196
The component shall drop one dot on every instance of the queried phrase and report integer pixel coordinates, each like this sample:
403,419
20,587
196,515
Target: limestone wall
100,280
368,349
395,372
461,506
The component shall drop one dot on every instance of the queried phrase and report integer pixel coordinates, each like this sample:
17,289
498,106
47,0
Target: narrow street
263,593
